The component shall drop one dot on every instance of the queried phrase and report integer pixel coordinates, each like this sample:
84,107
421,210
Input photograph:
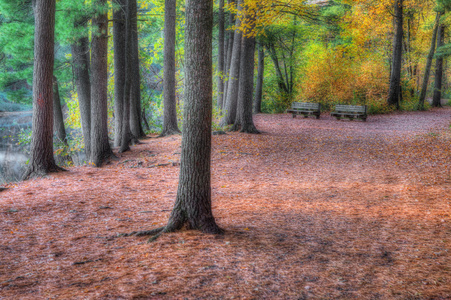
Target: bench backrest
351,108
305,105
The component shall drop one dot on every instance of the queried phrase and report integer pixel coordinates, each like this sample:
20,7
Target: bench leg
305,116
294,115
317,117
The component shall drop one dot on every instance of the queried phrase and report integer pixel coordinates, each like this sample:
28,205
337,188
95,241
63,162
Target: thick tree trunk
58,119
192,206
246,87
135,101
193,203
234,75
395,77
220,54
81,61
126,137
100,147
259,88
169,85
42,160
437,99
427,70
119,68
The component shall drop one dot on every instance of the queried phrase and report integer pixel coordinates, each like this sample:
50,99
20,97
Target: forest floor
312,209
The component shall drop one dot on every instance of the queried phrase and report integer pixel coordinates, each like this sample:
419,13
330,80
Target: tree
429,64
246,87
246,82
100,147
220,54
42,160
234,75
135,96
437,98
260,73
228,55
81,63
395,91
193,203
58,119
126,135
119,68
170,112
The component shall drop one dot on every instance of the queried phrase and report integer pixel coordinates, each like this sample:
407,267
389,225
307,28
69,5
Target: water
12,154
12,166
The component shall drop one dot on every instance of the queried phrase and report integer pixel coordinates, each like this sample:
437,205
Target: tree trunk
437,99
58,119
259,88
81,61
234,75
220,54
246,86
193,203
170,109
119,68
395,77
280,79
42,160
126,137
429,64
192,206
228,57
135,100
100,147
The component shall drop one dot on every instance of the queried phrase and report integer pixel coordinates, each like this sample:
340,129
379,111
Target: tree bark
192,206
395,77
437,99
246,87
170,126
234,75
127,136
427,71
42,160
135,100
81,61
228,57
220,54
100,147
58,119
259,88
119,68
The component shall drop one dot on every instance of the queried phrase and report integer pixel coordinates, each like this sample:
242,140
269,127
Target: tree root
250,129
31,172
153,232
169,132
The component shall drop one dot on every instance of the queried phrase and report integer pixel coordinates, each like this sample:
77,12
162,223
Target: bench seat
306,109
350,112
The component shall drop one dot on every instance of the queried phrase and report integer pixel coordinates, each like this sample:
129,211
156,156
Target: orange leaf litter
313,209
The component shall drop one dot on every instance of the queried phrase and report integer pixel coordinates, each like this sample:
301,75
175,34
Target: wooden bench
350,112
306,109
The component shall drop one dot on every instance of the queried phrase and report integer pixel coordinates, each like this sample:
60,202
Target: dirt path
313,209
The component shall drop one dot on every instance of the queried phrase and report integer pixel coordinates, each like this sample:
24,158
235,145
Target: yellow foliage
335,76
